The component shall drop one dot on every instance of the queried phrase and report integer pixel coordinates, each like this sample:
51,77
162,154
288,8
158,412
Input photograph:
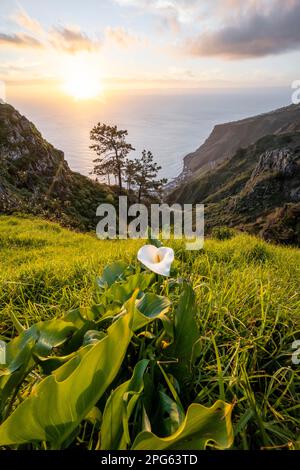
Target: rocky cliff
253,189
34,176
227,138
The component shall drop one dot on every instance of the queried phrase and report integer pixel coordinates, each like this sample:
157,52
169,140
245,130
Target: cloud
22,18
19,40
122,37
254,34
64,38
172,12
72,40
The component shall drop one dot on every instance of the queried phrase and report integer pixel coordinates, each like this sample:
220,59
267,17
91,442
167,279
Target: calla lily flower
158,260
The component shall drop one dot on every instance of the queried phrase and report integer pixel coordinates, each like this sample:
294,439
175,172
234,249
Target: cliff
35,177
253,189
227,138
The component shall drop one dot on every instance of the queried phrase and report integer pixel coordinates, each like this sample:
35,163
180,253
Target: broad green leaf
111,273
45,335
186,333
51,363
201,427
12,374
169,415
170,385
38,340
83,321
120,292
92,337
61,401
119,406
149,308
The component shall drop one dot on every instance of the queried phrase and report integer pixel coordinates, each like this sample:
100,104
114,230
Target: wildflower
158,260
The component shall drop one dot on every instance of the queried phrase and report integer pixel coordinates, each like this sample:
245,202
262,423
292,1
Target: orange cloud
26,22
19,40
72,40
122,37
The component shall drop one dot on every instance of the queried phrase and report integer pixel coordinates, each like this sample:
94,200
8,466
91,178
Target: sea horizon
170,125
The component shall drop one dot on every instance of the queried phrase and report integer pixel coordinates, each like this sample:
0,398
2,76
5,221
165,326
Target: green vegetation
35,178
223,233
140,174
238,322
234,196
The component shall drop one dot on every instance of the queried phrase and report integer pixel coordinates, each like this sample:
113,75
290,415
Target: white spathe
158,260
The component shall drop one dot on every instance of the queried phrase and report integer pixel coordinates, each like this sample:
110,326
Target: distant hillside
227,138
35,178
257,189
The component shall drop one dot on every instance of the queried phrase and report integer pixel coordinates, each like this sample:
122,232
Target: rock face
275,178
280,161
27,160
253,189
35,177
226,139
247,173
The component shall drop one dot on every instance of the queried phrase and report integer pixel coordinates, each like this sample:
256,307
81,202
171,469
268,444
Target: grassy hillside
247,311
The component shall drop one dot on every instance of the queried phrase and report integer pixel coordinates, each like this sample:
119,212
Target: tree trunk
120,178
119,171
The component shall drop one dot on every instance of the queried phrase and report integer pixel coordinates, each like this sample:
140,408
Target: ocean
170,125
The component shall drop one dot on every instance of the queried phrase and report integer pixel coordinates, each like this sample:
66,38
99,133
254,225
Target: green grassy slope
248,312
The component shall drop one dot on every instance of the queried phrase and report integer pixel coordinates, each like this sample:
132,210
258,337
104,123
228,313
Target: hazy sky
151,43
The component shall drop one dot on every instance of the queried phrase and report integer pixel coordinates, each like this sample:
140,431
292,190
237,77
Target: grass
248,312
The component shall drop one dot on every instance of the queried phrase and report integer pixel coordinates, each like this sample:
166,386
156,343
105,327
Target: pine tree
145,179
111,147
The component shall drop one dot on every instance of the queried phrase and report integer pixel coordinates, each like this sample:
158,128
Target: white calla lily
158,260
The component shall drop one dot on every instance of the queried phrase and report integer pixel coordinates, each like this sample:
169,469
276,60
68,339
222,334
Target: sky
85,47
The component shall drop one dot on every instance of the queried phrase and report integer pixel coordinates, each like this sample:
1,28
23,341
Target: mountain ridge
225,139
254,190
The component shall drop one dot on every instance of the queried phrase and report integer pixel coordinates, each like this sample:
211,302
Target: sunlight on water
170,126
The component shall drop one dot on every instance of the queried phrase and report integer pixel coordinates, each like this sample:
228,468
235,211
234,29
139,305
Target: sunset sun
82,78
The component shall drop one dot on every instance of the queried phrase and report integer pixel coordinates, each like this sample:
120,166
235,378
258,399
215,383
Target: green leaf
170,414
119,407
111,274
120,292
92,337
61,401
201,427
149,308
18,326
38,340
186,334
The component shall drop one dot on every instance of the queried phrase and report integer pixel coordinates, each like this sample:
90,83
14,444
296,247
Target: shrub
223,233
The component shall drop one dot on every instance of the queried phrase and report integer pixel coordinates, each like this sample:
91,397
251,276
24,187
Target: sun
82,79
